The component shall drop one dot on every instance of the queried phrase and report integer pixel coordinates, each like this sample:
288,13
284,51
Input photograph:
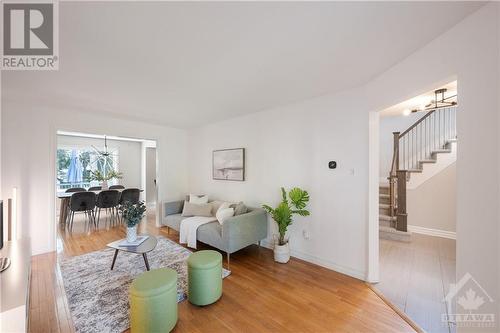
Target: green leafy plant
294,203
132,213
100,177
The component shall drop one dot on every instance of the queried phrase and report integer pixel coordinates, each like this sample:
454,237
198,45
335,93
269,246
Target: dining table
66,197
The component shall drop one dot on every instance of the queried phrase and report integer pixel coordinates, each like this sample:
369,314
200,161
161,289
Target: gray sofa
234,234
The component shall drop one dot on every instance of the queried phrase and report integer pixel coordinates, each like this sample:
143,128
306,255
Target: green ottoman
153,301
204,277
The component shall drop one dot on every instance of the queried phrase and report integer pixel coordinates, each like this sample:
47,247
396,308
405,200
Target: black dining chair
82,202
116,187
107,200
131,195
75,189
65,201
95,188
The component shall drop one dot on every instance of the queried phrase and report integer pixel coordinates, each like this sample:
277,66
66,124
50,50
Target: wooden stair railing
422,141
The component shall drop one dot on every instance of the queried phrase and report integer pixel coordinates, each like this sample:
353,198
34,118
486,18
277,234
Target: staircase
419,146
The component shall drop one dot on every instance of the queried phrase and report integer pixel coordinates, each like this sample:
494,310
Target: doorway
416,199
94,163
151,193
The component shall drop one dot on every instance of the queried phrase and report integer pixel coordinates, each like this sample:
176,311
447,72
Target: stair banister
419,142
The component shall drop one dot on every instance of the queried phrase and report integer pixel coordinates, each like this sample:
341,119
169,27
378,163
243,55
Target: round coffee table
147,246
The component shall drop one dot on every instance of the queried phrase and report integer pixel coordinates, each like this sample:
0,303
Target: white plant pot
104,185
131,234
282,253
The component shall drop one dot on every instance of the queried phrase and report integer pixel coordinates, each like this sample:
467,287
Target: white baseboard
432,232
321,262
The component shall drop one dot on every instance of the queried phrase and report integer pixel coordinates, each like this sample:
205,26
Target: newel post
402,215
396,149
393,176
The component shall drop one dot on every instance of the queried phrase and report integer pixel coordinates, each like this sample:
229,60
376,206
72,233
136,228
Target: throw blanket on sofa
189,226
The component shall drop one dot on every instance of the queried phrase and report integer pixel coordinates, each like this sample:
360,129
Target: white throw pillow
215,206
197,199
224,205
223,214
191,209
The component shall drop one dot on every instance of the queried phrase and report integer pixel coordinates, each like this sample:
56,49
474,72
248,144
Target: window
75,166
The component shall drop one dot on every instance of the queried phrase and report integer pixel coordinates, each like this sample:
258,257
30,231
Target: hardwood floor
416,277
259,296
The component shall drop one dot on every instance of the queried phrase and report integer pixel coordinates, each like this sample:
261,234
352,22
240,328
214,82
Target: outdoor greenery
294,203
132,213
91,163
100,177
84,158
63,160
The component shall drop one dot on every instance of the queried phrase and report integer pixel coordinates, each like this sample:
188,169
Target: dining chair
65,201
131,195
95,188
107,200
116,187
82,202
75,189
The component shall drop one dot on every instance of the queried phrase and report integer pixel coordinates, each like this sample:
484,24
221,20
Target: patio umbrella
75,169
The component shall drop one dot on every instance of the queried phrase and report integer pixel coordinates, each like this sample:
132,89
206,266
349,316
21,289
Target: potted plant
103,178
132,214
294,203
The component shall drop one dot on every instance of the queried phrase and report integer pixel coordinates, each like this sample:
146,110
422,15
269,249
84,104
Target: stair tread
386,217
441,151
427,161
392,234
413,170
381,205
382,195
393,229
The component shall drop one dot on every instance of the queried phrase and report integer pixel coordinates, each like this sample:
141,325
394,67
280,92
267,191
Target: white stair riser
443,160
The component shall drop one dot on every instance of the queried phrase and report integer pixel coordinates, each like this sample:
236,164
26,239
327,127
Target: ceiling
421,101
191,63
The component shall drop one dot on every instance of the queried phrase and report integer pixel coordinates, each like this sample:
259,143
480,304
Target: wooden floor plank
259,296
416,276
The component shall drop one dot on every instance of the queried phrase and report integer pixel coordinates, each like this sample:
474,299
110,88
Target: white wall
150,175
129,155
291,146
433,204
1,196
28,149
389,124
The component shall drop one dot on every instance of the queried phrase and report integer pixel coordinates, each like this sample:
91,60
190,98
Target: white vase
131,234
282,253
104,185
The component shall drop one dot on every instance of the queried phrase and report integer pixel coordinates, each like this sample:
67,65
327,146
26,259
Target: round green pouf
204,277
153,301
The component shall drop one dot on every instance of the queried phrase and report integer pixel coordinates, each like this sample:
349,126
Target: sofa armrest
243,230
173,207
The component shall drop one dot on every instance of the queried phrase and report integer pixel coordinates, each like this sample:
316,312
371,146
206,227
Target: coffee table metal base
143,255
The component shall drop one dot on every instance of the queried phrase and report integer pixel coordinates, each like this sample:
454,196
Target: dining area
95,175
93,205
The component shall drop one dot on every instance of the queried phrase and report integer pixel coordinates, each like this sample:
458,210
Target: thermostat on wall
332,164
